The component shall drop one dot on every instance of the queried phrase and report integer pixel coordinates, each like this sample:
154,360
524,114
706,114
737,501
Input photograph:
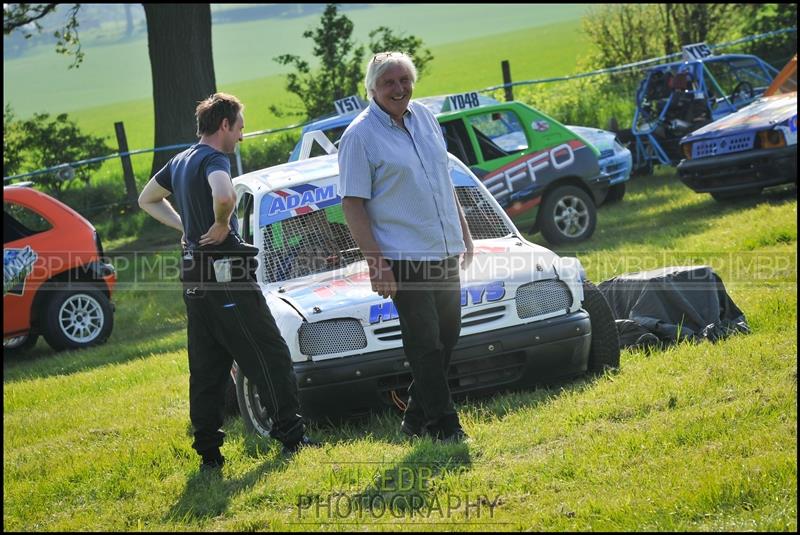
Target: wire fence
562,105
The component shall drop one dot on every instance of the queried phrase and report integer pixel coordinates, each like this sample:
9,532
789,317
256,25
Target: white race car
528,315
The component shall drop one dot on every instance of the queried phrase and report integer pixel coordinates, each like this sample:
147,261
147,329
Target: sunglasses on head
383,56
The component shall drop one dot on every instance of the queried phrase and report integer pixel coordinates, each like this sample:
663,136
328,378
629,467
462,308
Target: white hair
375,69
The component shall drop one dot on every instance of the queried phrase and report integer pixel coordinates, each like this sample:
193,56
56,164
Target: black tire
77,317
253,413
604,351
734,195
19,344
615,193
568,215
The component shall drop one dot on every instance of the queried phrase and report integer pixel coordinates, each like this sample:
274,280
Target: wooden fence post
127,168
507,80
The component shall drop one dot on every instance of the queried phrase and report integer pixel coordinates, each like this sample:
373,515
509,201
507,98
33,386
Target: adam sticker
17,264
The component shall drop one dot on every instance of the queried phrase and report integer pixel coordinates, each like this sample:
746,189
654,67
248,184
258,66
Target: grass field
696,437
117,73
540,51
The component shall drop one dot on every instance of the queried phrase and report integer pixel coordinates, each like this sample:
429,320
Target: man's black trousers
428,303
228,321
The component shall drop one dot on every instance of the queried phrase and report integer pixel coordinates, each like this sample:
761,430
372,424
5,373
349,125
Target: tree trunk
182,66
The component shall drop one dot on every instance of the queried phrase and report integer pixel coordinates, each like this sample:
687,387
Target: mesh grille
307,244
484,222
543,297
331,336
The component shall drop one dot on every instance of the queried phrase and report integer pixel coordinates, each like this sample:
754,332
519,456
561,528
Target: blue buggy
678,98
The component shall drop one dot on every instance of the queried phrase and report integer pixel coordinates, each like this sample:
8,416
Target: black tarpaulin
670,304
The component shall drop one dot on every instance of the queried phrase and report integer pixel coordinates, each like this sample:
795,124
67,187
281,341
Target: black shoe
412,430
212,463
304,442
451,436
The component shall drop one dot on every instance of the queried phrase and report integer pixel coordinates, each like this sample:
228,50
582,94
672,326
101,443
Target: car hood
602,139
764,113
499,267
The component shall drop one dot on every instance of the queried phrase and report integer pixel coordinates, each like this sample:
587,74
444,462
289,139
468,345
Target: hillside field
696,437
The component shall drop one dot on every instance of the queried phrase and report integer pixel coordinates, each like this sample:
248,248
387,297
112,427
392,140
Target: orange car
55,280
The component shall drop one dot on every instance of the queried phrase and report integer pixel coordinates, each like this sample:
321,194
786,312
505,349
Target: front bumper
615,169
740,171
515,357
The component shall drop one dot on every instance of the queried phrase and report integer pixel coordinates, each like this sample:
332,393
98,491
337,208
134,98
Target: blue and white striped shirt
403,175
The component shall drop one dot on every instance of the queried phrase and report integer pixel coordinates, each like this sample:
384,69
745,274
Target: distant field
466,65
243,51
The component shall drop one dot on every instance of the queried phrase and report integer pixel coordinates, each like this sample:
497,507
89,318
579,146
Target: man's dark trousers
229,321
428,303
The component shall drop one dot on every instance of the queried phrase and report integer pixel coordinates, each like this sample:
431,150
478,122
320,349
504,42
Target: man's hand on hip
215,235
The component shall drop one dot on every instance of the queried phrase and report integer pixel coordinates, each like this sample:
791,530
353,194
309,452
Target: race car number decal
17,265
696,51
475,295
463,102
348,104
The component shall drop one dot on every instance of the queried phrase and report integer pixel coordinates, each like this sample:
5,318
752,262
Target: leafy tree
181,61
22,16
42,142
762,18
12,143
626,33
341,63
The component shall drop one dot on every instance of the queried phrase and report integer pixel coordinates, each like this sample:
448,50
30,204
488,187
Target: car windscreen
319,240
729,75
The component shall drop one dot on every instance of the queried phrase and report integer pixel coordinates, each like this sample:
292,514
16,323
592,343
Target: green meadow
696,437
120,72
468,44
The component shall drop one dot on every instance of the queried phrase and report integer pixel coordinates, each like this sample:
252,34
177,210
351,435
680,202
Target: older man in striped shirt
402,210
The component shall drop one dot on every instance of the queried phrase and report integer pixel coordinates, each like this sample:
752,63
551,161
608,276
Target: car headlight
687,150
331,336
770,139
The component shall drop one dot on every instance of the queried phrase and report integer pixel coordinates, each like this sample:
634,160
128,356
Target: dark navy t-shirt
186,176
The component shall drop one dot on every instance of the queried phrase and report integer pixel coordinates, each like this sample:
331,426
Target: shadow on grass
425,482
207,493
42,361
